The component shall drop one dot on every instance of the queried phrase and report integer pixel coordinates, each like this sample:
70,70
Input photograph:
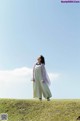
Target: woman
41,80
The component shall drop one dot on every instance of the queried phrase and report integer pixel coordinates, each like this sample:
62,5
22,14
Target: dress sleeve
45,76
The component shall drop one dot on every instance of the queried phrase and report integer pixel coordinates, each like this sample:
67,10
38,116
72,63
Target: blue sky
29,28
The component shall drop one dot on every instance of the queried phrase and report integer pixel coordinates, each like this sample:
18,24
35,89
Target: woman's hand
43,81
33,80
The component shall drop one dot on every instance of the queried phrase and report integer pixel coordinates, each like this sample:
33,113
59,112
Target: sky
41,27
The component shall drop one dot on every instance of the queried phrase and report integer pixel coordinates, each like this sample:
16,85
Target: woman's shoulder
43,65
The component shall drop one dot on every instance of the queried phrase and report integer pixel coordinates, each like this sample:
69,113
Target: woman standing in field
41,80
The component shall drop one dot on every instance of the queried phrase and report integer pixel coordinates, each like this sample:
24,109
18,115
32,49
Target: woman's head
41,59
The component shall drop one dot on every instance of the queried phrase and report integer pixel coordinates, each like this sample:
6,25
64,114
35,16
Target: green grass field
34,110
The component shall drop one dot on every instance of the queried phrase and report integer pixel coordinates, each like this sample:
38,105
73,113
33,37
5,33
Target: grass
34,110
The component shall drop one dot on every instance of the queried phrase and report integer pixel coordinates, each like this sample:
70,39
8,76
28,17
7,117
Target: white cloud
18,74
54,76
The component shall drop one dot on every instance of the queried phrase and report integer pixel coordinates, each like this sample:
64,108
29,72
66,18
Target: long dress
41,83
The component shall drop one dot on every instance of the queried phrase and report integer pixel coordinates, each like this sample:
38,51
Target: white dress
40,85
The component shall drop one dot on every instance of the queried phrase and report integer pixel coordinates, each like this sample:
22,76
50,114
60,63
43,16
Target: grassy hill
34,110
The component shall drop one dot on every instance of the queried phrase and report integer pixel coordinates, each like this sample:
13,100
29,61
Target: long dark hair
42,59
